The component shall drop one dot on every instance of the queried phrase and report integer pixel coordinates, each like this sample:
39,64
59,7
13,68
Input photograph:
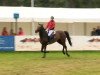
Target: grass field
31,63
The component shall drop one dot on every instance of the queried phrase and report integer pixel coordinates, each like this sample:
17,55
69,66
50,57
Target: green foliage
53,3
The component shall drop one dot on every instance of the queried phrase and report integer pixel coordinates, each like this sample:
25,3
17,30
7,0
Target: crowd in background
11,32
95,31
5,32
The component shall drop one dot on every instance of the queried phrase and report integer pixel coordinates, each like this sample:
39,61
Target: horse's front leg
42,48
44,51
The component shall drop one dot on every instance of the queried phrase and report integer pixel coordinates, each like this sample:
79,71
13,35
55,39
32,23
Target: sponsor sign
85,43
26,43
6,43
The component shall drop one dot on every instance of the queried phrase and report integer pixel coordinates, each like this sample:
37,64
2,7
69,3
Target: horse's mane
43,33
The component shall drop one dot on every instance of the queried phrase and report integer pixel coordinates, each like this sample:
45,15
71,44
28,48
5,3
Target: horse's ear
40,24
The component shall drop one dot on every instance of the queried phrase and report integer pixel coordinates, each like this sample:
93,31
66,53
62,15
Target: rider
50,28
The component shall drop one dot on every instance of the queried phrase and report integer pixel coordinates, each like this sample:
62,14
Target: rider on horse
50,28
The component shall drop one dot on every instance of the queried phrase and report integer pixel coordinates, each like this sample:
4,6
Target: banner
26,43
85,43
7,43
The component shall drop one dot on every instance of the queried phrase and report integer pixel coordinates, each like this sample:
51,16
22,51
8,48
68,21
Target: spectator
98,30
20,31
4,31
11,32
93,32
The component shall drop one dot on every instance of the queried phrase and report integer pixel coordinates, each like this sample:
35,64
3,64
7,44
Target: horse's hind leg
64,46
66,50
59,41
63,50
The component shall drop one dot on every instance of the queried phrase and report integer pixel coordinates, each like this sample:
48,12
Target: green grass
31,63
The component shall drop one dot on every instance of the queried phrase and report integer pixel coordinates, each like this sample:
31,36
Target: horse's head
39,28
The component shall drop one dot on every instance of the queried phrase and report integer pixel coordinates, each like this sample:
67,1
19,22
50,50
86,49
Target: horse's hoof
68,55
43,57
41,51
47,51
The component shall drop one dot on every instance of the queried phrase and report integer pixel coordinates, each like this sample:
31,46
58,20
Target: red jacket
51,25
4,33
20,33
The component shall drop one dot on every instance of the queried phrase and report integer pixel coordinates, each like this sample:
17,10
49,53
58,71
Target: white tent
71,19
27,14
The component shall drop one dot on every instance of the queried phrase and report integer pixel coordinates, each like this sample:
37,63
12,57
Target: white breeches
50,32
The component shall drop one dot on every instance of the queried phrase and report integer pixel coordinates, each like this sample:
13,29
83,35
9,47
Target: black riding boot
48,38
51,37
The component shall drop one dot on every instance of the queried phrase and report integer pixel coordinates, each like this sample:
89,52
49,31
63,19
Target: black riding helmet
52,17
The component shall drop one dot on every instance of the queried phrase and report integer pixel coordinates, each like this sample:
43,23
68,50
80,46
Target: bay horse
59,36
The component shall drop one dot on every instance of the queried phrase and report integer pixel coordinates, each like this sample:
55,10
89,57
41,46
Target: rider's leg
50,34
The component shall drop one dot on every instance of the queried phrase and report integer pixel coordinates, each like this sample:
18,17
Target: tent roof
38,14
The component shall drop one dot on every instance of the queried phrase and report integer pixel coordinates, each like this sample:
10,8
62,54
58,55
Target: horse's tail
68,37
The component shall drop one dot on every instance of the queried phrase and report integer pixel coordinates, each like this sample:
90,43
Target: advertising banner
7,43
85,43
26,43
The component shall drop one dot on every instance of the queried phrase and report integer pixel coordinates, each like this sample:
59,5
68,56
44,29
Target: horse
59,36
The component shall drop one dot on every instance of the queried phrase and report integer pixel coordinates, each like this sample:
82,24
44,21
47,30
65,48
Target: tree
53,3
3,2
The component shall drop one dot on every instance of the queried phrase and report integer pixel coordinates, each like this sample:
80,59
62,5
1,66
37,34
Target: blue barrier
7,43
